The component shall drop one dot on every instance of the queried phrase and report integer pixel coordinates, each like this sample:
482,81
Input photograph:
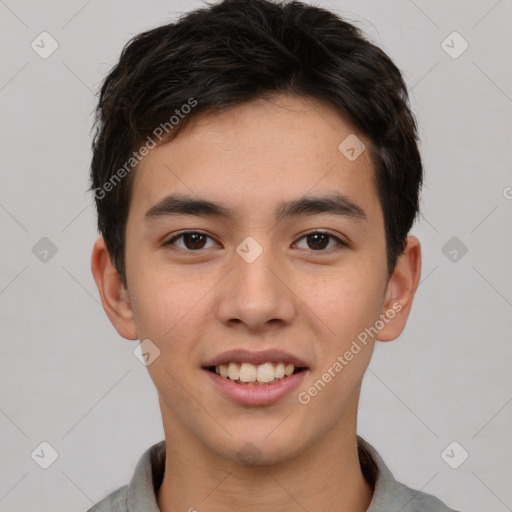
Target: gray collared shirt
388,495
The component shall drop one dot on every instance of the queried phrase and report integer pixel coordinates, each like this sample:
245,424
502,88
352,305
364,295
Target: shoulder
417,501
117,501
390,494
140,493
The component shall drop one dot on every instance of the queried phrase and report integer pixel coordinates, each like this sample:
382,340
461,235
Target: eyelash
341,243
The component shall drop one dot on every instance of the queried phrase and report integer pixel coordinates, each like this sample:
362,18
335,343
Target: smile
246,373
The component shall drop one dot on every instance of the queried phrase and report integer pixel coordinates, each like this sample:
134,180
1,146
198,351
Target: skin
308,297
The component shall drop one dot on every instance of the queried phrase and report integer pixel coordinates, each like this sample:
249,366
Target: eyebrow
335,204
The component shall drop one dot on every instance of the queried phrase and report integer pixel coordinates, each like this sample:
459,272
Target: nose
256,295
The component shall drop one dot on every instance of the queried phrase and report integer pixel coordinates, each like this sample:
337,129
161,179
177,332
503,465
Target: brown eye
190,241
318,241
194,240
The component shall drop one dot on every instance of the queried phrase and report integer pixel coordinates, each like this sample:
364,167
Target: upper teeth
247,372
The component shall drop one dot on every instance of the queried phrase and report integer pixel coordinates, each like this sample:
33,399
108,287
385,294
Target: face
260,270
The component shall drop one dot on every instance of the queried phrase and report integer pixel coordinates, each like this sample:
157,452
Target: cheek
167,306
348,305
345,301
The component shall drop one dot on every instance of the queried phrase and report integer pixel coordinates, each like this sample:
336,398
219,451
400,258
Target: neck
326,476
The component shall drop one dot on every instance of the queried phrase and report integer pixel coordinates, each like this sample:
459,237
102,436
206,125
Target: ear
400,291
114,295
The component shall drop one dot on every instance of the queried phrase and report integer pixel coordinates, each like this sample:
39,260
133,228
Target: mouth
255,378
262,374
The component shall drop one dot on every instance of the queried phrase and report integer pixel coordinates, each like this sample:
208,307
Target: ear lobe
114,296
400,292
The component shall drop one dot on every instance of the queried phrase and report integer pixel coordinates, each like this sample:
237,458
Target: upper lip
256,358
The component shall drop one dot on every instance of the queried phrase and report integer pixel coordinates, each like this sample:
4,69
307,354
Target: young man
256,174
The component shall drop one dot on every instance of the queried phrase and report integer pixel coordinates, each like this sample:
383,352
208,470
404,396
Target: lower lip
256,394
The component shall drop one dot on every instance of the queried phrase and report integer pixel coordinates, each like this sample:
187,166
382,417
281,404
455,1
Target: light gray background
68,378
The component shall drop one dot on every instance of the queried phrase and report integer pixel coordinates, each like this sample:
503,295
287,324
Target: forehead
261,152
